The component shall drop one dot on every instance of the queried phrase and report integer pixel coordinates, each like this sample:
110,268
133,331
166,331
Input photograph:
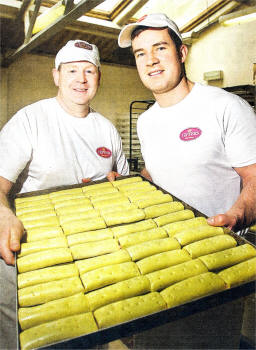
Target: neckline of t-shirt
72,118
184,101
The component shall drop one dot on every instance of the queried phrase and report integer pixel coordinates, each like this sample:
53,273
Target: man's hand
227,220
112,175
146,174
11,231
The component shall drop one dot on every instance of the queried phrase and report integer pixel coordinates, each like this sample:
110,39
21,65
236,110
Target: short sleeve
240,133
15,146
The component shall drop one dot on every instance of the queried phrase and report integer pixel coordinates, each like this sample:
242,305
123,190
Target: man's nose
152,59
82,77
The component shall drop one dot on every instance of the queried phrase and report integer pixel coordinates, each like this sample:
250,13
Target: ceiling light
238,17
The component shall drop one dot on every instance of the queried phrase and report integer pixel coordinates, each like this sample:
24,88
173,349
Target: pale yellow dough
210,245
53,310
118,291
42,233
139,237
51,332
118,257
178,226
89,236
33,247
90,249
118,183
162,209
107,275
129,309
123,216
193,288
166,277
142,250
135,227
44,292
165,198
240,273
84,225
46,274
173,217
162,260
194,234
228,257
43,259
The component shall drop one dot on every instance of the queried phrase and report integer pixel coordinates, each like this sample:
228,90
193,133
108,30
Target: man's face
158,62
78,83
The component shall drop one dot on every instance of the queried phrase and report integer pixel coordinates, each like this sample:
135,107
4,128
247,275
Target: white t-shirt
42,146
190,148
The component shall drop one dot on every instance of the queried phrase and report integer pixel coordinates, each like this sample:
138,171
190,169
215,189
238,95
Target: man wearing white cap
198,142
53,142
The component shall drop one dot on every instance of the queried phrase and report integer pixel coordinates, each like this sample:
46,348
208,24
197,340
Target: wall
30,79
230,49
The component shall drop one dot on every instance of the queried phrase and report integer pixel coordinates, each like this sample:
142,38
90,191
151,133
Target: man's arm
11,228
243,212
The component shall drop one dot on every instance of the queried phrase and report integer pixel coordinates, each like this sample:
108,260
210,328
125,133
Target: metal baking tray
206,304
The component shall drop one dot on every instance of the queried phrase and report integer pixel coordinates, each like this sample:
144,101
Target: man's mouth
81,90
157,72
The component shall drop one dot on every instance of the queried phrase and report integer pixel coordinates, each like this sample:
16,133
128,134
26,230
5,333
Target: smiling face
158,62
78,83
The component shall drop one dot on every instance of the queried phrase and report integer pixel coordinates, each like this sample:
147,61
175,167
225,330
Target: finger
112,176
222,220
85,180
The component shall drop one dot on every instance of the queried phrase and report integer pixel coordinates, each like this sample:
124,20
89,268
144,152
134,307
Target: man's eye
72,71
140,54
160,48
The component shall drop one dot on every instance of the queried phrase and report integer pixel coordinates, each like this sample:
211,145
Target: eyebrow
154,45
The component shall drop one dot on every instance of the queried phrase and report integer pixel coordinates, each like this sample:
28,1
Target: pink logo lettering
104,152
190,134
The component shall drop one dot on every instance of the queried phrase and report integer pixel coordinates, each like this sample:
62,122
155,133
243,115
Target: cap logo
83,45
142,18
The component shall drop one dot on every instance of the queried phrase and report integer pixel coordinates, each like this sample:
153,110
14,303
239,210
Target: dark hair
177,41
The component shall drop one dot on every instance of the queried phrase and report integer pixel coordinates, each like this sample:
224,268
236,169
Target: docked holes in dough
118,257
89,236
83,225
130,228
43,259
52,310
173,217
107,275
162,260
118,183
90,249
118,291
51,332
42,233
129,309
240,273
192,288
194,234
139,237
175,227
47,274
33,247
210,245
165,198
162,209
50,221
44,292
228,257
166,277
123,216
142,250
75,216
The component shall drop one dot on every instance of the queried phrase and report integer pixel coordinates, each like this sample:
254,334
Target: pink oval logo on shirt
190,134
104,152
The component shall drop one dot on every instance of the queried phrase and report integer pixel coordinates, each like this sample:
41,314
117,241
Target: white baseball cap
78,50
154,20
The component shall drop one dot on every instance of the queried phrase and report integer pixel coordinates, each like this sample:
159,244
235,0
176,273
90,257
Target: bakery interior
220,35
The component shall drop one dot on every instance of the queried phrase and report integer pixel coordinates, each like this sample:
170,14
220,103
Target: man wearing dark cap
53,142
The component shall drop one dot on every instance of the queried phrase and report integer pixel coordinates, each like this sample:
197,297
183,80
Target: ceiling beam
82,7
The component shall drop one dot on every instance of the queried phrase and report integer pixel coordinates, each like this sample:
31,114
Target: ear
183,52
99,77
56,76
